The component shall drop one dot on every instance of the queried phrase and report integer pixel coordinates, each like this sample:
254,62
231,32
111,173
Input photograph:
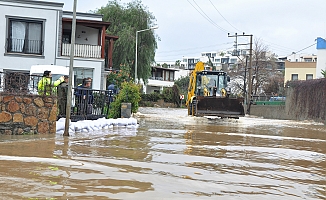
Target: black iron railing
86,103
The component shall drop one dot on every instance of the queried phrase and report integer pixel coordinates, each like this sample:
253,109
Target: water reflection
184,157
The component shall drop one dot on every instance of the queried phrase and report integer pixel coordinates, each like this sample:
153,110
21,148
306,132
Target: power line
207,18
195,48
223,16
303,49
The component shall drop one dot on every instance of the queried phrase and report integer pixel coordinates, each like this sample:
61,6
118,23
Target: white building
39,33
163,75
301,58
321,54
218,59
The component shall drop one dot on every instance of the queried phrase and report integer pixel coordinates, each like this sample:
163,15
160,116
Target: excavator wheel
190,109
193,108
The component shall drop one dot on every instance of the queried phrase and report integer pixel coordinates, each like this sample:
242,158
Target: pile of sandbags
95,125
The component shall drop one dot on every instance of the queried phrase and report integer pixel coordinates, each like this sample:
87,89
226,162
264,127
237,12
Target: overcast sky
189,27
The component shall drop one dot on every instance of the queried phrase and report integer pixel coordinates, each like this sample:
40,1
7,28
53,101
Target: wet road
170,156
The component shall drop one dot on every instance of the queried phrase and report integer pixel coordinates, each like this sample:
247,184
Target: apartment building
219,59
299,70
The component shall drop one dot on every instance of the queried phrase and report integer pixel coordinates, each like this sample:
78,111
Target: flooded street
170,156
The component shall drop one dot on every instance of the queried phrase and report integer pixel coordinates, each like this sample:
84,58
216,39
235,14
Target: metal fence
86,103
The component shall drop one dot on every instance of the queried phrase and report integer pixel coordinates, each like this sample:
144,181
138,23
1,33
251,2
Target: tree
323,72
263,65
125,20
177,62
265,76
120,76
275,84
183,83
165,65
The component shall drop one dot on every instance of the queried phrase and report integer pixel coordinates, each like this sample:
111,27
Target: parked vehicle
277,99
36,72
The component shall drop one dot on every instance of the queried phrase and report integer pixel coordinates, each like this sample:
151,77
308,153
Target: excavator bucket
219,106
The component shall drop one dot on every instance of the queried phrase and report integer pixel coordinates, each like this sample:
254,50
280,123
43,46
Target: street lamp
151,28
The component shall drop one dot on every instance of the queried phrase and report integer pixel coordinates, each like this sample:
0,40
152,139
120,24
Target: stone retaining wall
28,114
301,104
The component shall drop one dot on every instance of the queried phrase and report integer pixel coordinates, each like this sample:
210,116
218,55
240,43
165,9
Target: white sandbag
79,126
109,121
60,126
133,121
114,122
122,121
72,126
63,120
60,132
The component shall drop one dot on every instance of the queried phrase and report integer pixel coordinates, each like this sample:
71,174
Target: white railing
82,50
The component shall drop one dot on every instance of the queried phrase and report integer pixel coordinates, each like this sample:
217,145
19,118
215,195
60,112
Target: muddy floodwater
170,156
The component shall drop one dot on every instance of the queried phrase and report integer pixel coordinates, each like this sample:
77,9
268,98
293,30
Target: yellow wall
300,68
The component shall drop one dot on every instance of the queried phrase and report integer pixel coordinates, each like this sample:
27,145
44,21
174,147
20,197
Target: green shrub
167,95
151,97
129,93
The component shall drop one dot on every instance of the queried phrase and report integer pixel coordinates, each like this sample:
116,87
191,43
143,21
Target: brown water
170,156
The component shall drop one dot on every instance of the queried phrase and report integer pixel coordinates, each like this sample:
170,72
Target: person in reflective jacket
45,85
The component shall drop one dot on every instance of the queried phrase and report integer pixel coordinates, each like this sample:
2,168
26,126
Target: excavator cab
211,83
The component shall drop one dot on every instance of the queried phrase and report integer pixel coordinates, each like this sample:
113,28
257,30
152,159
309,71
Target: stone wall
28,114
160,103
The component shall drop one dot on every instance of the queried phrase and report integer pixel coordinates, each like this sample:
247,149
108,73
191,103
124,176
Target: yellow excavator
207,94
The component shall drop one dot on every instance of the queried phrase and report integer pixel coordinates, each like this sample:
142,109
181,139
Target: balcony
82,50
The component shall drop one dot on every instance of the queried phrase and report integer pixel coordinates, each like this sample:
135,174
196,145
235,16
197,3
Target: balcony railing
82,50
156,78
26,46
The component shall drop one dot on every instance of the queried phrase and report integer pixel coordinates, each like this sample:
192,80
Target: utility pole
72,52
250,78
249,81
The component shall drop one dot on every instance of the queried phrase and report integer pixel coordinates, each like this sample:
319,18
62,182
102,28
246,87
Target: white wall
86,35
321,62
181,72
23,62
82,16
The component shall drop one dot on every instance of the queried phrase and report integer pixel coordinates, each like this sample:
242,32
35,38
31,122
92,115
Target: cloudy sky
189,27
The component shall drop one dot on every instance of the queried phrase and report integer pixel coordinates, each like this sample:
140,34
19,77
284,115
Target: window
66,36
25,36
309,76
218,60
225,60
233,60
308,59
80,74
294,77
213,54
166,77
